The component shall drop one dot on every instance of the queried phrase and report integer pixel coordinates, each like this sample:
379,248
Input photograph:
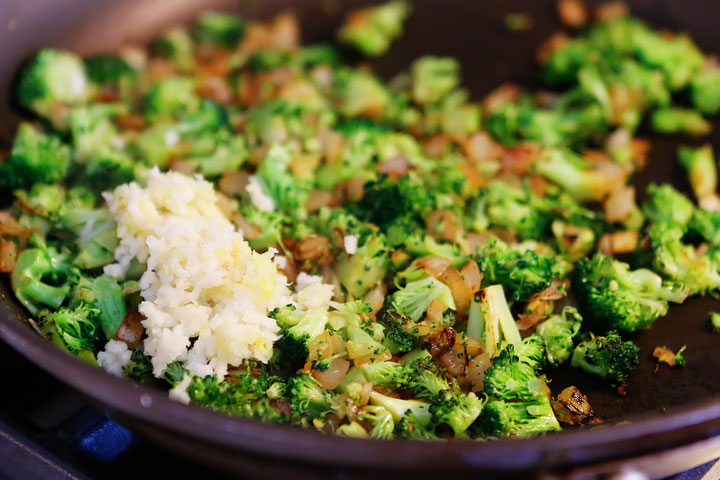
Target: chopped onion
334,375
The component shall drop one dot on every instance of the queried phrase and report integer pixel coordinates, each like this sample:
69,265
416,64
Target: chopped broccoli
35,157
521,272
109,70
75,329
92,128
108,168
381,420
706,224
680,262
42,276
53,77
298,329
399,408
679,120
308,400
494,314
433,78
244,396
360,272
715,321
289,192
373,29
665,204
105,295
705,91
517,209
385,201
457,410
558,333
95,235
360,94
519,400
269,226
615,297
178,46
419,291
608,357
399,336
421,245
676,56
171,97
219,28
581,180
699,163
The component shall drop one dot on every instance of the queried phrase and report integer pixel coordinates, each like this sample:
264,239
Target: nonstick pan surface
662,410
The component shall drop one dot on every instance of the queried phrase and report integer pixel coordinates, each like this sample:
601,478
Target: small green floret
53,77
615,297
608,357
36,157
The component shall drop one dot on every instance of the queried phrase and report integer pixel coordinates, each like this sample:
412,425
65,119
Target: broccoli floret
53,77
558,333
680,262
35,157
433,78
715,321
218,153
108,168
171,97
677,56
265,60
513,208
308,400
706,224
615,297
74,329
219,28
679,120
699,163
372,30
522,272
42,276
318,54
579,178
607,357
421,245
109,70
45,200
381,420
289,192
106,296
705,91
385,201
140,368
298,329
95,235
244,396
92,128
360,272
360,94
419,291
524,418
665,204
399,336
178,46
456,410
268,227
511,377
520,401
563,65
399,408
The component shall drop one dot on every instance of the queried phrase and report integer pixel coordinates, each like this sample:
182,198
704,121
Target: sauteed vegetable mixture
272,231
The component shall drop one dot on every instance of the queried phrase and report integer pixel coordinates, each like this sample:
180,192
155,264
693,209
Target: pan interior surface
472,32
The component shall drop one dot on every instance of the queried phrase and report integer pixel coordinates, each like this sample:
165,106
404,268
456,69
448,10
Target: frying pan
671,410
